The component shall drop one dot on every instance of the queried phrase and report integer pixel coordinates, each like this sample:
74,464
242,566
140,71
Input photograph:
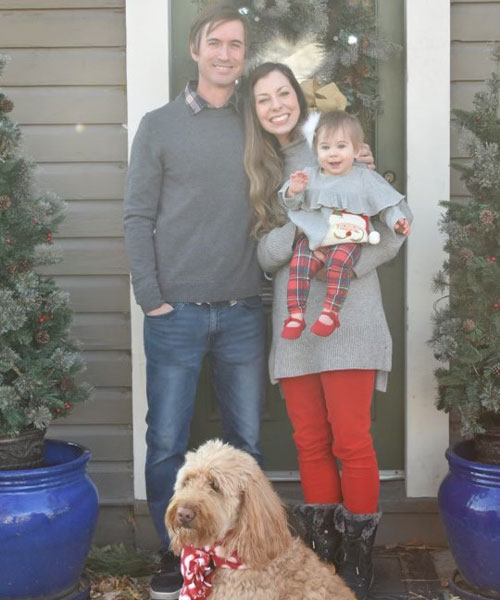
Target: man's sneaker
167,583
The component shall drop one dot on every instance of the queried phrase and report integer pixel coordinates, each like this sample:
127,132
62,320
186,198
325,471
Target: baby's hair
334,120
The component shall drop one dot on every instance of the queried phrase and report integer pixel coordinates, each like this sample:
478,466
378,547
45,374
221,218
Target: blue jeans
233,338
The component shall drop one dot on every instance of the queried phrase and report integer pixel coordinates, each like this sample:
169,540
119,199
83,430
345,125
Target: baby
332,205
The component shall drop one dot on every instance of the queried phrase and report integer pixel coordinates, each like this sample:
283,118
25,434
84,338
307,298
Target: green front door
388,408
387,413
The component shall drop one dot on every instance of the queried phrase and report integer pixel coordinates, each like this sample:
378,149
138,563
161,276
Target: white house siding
67,78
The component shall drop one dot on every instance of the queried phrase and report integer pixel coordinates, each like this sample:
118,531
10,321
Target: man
193,264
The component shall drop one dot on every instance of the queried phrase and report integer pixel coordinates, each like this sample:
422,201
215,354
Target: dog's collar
197,568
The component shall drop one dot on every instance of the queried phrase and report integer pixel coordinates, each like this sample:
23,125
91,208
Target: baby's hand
298,183
402,226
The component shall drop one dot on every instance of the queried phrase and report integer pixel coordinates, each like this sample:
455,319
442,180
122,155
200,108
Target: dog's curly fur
233,501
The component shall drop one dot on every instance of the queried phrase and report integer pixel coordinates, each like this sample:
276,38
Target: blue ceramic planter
469,502
47,520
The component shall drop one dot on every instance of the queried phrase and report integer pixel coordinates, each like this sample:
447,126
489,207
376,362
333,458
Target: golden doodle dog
231,530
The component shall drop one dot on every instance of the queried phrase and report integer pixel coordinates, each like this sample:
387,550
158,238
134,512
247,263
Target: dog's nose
185,515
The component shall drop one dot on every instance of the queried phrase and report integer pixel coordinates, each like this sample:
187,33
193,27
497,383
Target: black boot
354,561
315,524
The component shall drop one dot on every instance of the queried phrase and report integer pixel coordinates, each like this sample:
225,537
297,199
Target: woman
327,382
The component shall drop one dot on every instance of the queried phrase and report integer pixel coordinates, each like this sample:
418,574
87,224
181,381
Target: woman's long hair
263,158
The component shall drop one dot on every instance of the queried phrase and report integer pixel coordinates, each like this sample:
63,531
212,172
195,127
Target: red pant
330,415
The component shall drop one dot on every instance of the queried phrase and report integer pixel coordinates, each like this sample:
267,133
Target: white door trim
147,88
428,182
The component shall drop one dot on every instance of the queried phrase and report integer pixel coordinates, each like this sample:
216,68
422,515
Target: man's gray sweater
187,216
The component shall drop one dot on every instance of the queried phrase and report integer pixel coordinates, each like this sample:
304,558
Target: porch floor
409,573
401,573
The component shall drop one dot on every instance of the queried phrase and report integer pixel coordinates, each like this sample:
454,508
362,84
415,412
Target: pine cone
487,217
6,105
495,369
42,337
23,265
66,384
5,202
465,255
468,325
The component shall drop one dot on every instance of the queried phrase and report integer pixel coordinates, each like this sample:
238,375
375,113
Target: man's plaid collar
196,103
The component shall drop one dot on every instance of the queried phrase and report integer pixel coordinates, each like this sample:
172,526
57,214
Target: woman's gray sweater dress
363,340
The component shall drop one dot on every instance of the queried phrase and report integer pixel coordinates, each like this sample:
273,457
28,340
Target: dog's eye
214,485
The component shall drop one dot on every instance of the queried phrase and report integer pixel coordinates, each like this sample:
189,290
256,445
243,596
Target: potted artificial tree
466,337
48,504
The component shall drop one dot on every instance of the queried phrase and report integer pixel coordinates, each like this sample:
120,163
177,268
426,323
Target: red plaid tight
330,416
339,262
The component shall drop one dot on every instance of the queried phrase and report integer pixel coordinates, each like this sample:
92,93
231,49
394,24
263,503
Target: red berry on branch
67,405
58,411
49,238
8,240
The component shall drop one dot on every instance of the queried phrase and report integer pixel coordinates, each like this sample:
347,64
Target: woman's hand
365,156
161,310
319,254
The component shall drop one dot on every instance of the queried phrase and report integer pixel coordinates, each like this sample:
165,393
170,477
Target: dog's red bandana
197,568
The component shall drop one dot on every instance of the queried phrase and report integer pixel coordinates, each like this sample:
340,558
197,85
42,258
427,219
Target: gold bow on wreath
325,98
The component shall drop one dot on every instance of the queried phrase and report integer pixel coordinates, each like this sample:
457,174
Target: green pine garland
466,333
38,361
